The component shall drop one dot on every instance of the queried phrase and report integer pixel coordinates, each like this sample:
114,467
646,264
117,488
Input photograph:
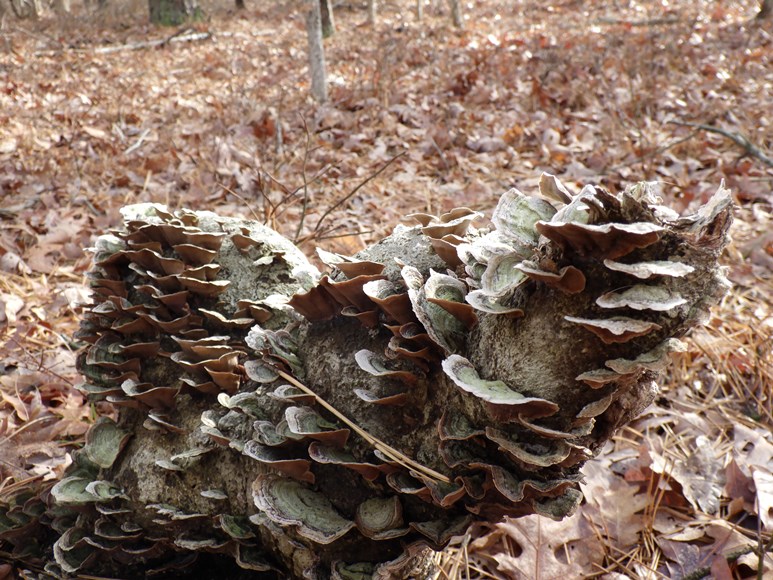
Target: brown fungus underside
336,426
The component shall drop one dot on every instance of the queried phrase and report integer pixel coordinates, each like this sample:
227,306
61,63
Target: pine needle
390,452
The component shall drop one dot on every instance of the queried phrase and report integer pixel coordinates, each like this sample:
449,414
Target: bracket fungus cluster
338,426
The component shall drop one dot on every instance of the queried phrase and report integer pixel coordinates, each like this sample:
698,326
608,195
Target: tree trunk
372,12
172,12
766,10
24,9
328,21
61,7
383,408
419,10
240,4
456,13
316,52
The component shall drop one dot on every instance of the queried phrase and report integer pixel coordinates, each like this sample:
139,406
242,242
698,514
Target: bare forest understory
99,110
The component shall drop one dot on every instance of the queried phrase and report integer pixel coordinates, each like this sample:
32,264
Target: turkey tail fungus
342,425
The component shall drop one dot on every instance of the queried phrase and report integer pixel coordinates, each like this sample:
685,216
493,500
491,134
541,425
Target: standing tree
372,12
456,13
61,6
316,52
172,12
339,425
766,10
328,21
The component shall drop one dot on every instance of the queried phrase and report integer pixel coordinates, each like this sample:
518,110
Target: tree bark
328,20
172,12
24,9
456,13
61,7
766,10
372,12
316,52
384,407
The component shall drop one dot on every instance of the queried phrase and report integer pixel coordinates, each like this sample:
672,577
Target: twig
440,153
356,189
138,143
346,235
37,35
736,138
263,185
731,557
648,22
654,152
280,143
390,452
290,194
175,38
241,199
179,34
761,549
305,205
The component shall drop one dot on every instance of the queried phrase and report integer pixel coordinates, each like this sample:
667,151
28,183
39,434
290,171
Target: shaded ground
594,92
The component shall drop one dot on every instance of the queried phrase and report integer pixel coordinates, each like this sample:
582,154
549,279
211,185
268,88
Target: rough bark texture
328,20
372,12
444,375
172,12
456,13
317,68
766,10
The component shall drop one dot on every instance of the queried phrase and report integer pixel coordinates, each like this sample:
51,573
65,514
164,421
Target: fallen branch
138,143
196,36
654,152
647,22
36,35
737,138
184,36
397,422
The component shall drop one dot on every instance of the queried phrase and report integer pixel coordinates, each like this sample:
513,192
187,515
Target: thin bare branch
240,198
305,205
737,138
349,195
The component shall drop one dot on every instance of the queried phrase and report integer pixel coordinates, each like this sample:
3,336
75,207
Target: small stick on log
737,138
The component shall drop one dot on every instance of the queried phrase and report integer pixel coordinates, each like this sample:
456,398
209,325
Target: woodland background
99,109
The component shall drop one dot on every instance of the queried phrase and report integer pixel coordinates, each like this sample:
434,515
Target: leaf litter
590,91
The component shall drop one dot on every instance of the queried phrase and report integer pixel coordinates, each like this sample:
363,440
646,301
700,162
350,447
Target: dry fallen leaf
11,306
685,556
549,550
415,87
720,569
619,519
763,480
752,447
701,475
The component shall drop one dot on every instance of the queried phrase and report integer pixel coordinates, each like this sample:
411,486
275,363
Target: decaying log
336,426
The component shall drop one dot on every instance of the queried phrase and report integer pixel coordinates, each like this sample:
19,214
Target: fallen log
343,425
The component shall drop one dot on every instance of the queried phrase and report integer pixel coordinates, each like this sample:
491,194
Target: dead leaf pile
421,117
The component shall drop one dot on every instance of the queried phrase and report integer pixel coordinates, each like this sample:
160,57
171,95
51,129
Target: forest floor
421,117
